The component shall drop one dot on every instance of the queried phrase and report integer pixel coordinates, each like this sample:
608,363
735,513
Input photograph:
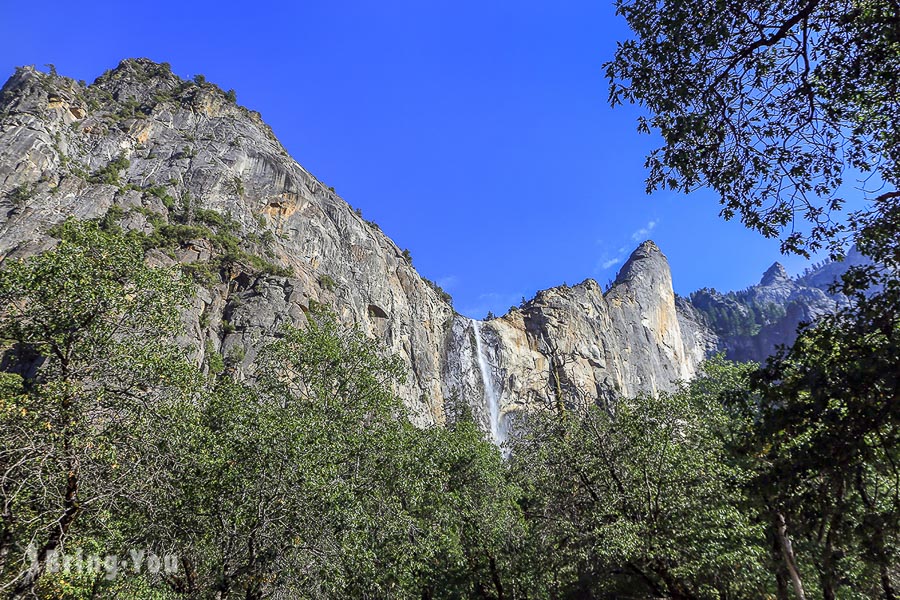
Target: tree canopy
775,106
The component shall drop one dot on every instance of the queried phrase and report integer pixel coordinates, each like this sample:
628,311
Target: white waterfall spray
492,401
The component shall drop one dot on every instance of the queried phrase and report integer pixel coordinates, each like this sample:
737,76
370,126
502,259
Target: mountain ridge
751,323
209,187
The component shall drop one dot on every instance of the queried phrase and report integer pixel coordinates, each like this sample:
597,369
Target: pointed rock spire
774,275
647,258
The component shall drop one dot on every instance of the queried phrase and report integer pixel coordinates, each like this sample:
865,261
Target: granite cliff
581,342
207,185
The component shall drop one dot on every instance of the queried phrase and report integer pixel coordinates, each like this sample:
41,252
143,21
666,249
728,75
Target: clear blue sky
476,133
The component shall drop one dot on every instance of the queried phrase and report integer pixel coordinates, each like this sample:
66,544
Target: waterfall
498,432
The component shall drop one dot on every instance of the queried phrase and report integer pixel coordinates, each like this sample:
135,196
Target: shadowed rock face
193,153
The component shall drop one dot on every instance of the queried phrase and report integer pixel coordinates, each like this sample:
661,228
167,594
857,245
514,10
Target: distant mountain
750,324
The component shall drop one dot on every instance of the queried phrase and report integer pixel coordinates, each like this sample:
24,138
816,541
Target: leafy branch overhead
777,107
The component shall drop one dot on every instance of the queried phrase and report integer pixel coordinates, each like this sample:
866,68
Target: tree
470,509
640,497
267,484
827,425
85,329
771,105
309,481
774,107
305,479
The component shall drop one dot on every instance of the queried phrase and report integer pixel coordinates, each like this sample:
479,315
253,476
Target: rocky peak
825,275
646,260
775,275
751,323
588,287
145,84
140,79
182,163
17,85
31,91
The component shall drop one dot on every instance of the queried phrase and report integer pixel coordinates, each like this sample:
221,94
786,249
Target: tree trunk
778,562
6,537
54,540
674,587
827,577
884,569
495,577
787,551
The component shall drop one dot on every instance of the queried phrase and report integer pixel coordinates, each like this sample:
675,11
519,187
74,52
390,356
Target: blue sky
477,134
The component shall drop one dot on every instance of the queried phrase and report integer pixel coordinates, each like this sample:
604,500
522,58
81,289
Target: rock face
162,152
207,182
581,342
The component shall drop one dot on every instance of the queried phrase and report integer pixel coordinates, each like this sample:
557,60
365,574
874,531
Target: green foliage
356,501
176,235
214,360
640,497
161,193
21,194
269,268
771,107
307,480
194,223
131,108
86,328
826,425
110,173
407,256
235,355
203,273
446,297
110,220
471,511
230,254
236,187
736,314
216,219
327,282
294,445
